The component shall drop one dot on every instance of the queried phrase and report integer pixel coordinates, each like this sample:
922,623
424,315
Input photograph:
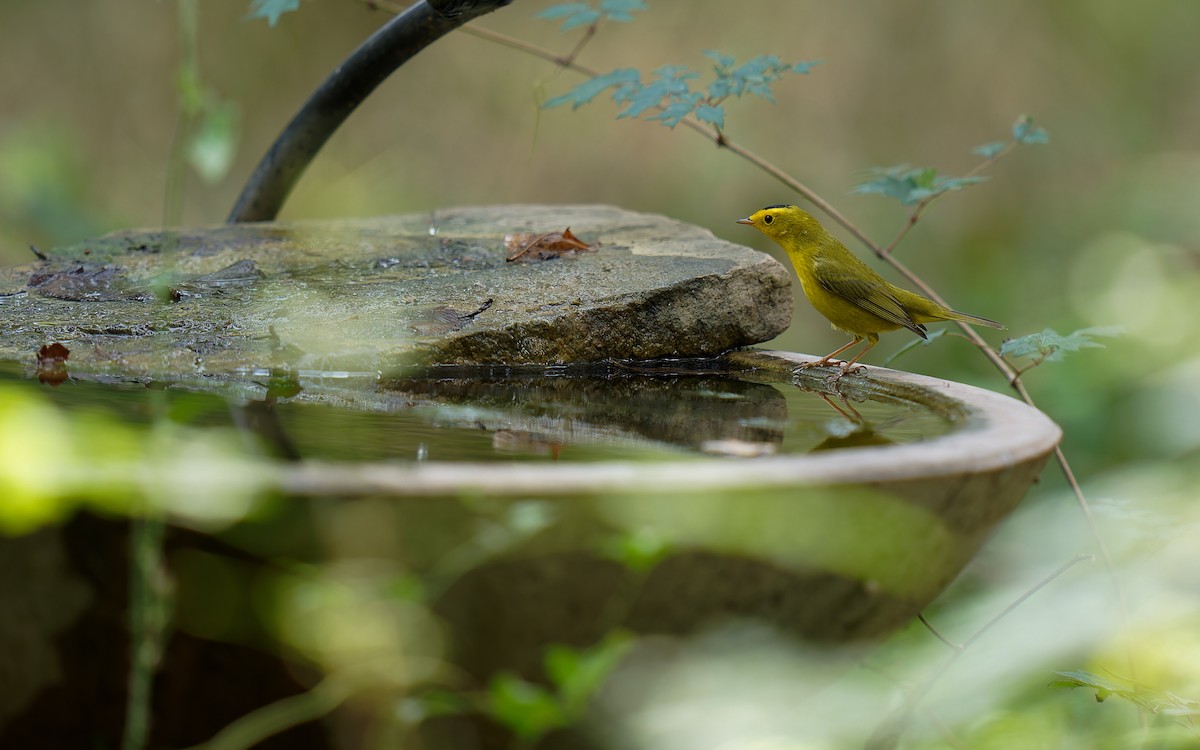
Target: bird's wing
872,296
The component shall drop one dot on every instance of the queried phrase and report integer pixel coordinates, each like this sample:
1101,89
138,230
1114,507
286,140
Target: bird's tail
973,319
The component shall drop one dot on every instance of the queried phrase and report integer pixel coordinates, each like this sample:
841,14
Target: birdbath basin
698,517
829,545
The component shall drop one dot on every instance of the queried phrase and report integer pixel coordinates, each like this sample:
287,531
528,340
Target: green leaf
914,343
911,185
670,86
948,184
638,551
574,15
583,93
561,663
1153,701
723,61
1050,346
673,113
271,9
989,150
527,709
721,88
438,701
579,673
621,10
1083,678
668,96
713,114
1026,133
754,76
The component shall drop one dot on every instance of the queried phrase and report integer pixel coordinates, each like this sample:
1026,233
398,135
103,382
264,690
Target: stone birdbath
831,546
457,574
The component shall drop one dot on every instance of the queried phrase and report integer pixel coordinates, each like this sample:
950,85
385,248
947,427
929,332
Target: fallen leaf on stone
91,282
52,364
527,247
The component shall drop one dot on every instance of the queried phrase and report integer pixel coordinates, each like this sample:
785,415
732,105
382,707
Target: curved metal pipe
347,86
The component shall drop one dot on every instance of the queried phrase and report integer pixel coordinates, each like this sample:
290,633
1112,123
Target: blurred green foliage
54,463
532,711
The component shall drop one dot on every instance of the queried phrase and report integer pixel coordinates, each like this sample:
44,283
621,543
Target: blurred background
1100,227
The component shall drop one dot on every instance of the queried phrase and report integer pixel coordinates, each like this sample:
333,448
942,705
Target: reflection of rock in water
506,613
680,409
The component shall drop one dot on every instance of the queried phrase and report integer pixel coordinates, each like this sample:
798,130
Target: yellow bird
854,298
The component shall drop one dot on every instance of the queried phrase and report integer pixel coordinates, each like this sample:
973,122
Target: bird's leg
824,361
848,367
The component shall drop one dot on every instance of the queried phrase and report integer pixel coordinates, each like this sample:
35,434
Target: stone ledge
379,294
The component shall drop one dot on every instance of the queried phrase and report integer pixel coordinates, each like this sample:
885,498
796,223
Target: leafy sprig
1181,710
574,15
1026,133
1048,345
911,185
932,336
669,96
752,77
918,186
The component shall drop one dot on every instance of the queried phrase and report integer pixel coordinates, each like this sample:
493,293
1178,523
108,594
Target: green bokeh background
1099,228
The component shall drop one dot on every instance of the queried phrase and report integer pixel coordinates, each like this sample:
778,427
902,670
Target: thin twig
925,203
512,42
937,633
887,734
1025,596
588,33
563,61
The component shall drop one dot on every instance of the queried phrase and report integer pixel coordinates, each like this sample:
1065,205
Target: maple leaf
527,247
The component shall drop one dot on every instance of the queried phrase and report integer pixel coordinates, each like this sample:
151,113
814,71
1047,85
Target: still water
650,411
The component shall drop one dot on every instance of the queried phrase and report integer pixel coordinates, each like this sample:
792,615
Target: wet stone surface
378,295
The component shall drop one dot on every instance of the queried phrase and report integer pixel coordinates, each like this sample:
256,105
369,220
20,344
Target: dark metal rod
348,85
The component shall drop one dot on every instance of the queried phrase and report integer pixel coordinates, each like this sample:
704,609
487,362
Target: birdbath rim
995,432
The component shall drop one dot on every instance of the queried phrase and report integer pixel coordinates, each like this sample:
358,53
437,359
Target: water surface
613,412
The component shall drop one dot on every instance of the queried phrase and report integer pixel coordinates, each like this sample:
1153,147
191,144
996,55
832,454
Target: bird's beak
745,221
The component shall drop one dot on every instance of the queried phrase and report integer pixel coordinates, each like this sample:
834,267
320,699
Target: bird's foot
847,368
826,362
844,369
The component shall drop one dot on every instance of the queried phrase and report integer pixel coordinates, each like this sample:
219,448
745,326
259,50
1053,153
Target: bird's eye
768,219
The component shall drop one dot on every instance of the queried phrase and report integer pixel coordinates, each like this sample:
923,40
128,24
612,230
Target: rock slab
378,295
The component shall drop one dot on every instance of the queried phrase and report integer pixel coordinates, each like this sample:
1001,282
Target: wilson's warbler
854,298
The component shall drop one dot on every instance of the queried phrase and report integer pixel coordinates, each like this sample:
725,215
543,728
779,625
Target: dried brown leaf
52,364
527,247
